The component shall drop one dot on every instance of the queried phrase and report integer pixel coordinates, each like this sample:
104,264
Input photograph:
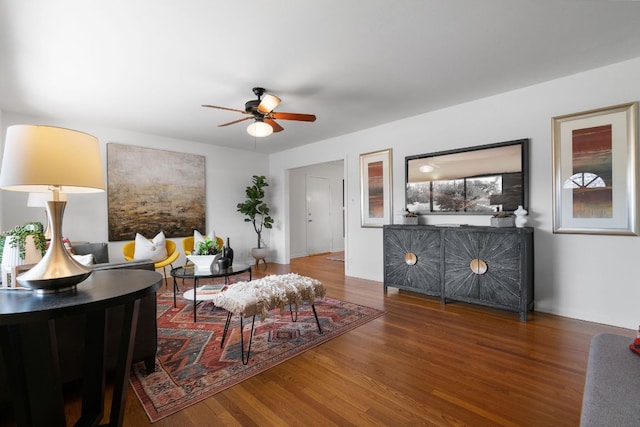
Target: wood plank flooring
421,363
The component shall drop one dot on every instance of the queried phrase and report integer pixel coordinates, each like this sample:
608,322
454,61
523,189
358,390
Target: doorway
318,215
316,195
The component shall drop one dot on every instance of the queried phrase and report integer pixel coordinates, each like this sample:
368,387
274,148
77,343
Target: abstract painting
152,190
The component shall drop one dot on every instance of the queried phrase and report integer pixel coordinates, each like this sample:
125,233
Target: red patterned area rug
191,366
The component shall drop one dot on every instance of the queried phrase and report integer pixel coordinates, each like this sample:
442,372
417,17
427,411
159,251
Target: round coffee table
189,272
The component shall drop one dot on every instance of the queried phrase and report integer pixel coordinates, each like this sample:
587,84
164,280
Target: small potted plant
28,239
502,219
208,247
410,218
205,255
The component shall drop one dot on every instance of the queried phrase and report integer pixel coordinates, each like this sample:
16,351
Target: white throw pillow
84,259
198,237
155,249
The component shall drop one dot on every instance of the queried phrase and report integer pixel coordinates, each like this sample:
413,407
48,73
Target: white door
318,215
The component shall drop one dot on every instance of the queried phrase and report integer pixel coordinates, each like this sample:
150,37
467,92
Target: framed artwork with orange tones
595,171
375,188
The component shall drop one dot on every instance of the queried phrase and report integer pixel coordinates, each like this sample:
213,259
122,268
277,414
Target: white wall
589,277
228,172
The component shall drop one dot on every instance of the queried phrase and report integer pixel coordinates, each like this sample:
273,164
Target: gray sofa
70,330
612,386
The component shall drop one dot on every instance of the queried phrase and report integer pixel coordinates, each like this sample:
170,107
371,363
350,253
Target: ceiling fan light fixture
268,103
259,129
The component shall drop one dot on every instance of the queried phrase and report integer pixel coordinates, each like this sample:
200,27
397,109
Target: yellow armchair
129,249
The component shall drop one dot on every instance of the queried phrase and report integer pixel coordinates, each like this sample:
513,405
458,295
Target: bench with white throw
258,297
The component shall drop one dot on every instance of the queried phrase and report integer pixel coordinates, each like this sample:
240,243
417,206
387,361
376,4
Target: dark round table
29,345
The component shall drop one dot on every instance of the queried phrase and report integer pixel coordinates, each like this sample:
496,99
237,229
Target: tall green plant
19,240
254,208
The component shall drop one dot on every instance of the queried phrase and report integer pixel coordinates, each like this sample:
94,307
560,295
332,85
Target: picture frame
595,171
151,190
376,188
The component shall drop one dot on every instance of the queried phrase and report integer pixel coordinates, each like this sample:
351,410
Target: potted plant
410,218
205,254
208,247
256,211
502,219
20,238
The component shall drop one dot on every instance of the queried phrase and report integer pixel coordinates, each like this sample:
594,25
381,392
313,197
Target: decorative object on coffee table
228,252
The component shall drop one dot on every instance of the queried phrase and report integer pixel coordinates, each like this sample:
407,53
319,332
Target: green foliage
20,233
208,247
254,208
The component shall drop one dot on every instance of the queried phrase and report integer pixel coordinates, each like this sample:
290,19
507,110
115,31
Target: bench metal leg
313,306
294,318
226,328
245,361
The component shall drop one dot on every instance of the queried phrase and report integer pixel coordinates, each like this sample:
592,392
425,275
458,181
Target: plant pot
503,222
11,256
410,220
259,253
204,263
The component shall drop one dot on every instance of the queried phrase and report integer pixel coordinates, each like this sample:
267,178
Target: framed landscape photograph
375,188
595,171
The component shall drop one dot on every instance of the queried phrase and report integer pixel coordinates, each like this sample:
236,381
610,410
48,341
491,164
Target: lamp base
50,286
56,271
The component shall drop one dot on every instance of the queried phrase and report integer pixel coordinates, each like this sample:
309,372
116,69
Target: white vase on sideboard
521,216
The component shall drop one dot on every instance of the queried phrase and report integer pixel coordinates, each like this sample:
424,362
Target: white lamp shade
268,103
39,157
39,200
259,129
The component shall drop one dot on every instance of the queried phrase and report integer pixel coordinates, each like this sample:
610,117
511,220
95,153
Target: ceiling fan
261,112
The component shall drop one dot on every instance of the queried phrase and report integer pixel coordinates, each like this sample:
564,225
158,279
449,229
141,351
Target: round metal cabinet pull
478,266
410,258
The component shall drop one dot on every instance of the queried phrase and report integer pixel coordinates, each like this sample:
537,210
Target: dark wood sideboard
491,266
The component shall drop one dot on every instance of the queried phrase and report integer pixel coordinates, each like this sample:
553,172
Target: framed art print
595,171
375,188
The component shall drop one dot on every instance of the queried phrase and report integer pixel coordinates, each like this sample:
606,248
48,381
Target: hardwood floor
421,363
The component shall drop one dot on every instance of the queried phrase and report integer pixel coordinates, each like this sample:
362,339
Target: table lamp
46,159
39,200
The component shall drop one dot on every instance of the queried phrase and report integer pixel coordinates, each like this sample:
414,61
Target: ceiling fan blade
268,103
293,116
276,127
235,121
225,108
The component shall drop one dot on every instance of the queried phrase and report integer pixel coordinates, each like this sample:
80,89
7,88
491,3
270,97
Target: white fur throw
262,295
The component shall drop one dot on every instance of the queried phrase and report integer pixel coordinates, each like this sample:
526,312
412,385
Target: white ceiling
148,65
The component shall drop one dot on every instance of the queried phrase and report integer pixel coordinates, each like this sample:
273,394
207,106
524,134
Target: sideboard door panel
498,282
423,274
